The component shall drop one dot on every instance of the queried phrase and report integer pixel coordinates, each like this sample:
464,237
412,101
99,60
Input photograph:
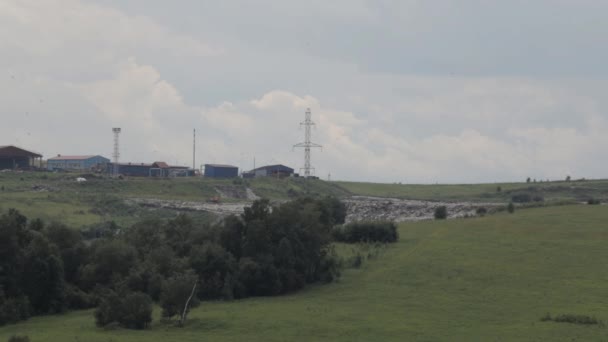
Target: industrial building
76,163
221,171
156,169
279,171
13,157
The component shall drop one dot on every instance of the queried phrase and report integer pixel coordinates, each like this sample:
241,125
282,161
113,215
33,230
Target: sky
410,91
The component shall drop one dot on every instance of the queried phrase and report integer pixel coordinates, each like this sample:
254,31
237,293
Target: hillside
487,279
550,191
58,197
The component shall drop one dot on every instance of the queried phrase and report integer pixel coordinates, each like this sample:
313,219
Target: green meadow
580,190
482,279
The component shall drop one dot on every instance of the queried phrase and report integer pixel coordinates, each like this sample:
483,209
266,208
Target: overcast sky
412,91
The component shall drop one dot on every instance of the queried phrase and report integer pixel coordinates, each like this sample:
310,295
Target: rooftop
12,151
60,157
221,165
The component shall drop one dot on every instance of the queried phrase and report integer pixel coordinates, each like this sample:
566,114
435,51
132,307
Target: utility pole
307,144
194,150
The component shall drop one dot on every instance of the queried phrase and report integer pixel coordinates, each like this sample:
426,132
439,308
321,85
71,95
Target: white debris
81,180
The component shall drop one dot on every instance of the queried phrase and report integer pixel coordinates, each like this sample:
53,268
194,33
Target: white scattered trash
81,180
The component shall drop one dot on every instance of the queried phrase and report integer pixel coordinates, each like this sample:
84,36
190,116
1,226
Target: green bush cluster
383,231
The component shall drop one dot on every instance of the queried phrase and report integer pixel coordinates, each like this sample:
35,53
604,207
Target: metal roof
60,157
276,166
221,165
161,165
14,151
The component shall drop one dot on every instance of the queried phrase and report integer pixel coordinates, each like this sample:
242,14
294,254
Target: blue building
270,171
76,163
221,171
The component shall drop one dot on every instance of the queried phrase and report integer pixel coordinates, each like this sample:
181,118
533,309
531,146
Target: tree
179,295
528,180
441,213
568,178
111,261
499,189
212,264
511,208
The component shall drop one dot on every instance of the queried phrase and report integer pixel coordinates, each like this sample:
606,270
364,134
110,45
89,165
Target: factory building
279,171
13,157
221,171
156,169
76,163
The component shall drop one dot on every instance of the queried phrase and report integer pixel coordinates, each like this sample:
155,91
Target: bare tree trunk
182,319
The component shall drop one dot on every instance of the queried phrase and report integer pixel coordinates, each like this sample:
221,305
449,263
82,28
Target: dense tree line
178,263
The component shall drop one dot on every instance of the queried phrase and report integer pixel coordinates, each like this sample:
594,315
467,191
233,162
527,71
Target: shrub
593,201
136,311
521,198
14,310
383,231
131,311
441,213
481,211
19,338
498,189
570,318
511,208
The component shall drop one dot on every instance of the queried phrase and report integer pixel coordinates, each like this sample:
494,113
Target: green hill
482,279
499,192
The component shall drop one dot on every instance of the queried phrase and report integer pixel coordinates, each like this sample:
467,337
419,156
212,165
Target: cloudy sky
412,91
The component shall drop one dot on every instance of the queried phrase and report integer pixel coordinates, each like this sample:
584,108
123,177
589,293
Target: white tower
116,154
307,144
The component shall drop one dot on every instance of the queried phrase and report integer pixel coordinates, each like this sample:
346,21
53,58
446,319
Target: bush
14,310
441,213
593,201
383,231
481,211
570,318
131,311
511,208
136,311
521,198
19,338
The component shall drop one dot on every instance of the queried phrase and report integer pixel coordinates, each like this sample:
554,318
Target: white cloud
75,69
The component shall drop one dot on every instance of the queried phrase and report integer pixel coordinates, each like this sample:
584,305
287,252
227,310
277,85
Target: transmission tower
116,154
307,144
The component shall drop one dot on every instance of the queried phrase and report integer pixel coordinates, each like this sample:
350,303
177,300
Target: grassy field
551,191
482,279
58,197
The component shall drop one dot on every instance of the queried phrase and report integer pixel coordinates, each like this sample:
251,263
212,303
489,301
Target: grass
551,191
482,279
